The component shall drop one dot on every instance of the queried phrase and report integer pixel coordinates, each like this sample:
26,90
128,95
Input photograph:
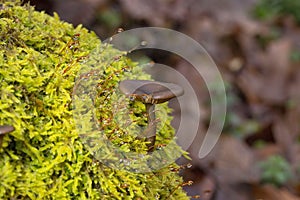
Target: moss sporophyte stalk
45,157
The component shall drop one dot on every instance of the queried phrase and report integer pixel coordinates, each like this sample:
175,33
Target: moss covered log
45,158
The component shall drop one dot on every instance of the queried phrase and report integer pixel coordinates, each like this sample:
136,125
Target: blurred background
256,46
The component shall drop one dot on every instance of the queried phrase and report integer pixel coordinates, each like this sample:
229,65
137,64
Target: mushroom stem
151,129
150,93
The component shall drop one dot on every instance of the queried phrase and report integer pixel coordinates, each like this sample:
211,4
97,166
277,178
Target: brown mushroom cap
152,92
6,129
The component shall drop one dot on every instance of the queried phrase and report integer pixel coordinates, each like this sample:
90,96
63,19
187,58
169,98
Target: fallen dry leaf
268,192
156,13
268,83
232,161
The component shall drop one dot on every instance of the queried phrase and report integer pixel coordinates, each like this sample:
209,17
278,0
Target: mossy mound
44,158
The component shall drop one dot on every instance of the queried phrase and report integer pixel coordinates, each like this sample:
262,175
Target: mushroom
5,129
150,93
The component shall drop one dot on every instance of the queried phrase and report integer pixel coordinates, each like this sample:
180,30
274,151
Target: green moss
270,9
275,170
45,157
